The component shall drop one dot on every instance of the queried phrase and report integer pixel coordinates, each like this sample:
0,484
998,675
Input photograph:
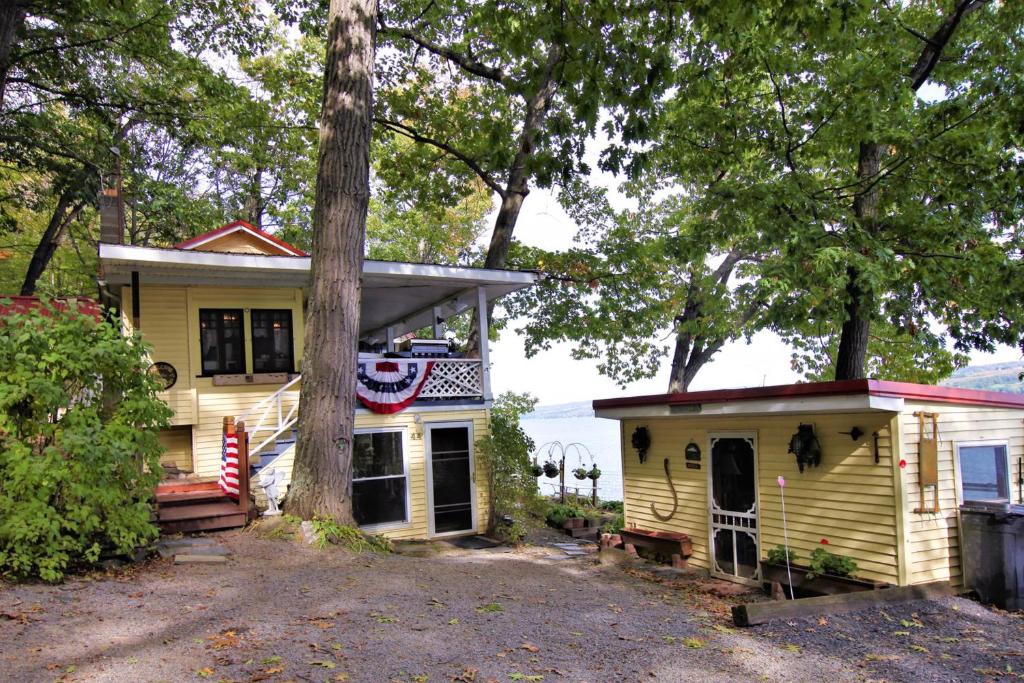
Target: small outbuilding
876,470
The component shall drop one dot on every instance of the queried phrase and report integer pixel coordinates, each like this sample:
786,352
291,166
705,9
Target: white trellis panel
454,378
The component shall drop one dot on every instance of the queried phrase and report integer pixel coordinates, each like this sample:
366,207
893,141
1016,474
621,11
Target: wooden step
587,532
179,512
187,485
189,497
183,526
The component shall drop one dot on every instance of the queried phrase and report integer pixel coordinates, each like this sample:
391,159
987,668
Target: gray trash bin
993,552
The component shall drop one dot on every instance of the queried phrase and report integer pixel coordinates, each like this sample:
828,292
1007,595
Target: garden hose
675,498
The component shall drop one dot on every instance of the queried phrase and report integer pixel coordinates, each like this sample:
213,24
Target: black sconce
641,441
804,445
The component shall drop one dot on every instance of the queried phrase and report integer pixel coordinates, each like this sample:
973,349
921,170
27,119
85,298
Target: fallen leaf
530,647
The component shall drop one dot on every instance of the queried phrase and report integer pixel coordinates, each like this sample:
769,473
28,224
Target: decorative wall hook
855,433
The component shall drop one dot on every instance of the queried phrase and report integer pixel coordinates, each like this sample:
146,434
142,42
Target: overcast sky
555,377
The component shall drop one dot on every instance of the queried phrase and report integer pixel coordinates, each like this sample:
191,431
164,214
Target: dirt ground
280,611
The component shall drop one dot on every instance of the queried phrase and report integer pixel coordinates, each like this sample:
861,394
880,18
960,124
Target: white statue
269,480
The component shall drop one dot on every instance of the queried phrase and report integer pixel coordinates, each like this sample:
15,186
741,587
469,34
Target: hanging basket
580,473
594,473
551,469
536,470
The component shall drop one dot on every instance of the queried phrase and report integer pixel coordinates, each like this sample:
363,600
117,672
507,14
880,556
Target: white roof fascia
855,403
398,270
212,259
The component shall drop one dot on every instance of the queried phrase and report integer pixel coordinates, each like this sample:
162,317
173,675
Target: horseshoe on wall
675,498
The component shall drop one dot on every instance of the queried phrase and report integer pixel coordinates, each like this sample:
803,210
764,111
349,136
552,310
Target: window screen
379,479
221,341
272,341
983,473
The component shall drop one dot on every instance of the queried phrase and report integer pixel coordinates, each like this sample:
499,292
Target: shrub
611,505
80,453
505,456
614,526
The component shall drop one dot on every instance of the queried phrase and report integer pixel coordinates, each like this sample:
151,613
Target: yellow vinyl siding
177,443
162,321
416,456
933,540
848,499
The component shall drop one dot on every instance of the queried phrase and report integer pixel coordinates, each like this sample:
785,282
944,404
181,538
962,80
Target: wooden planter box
822,584
672,544
575,523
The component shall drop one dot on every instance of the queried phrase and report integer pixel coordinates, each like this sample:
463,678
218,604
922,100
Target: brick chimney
112,224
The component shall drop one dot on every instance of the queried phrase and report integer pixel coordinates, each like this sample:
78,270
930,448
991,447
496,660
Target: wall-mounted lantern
641,441
804,445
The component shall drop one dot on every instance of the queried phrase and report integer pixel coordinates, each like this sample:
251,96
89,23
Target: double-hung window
272,340
984,472
222,341
380,479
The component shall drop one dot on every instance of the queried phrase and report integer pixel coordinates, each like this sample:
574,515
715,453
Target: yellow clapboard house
224,314
895,461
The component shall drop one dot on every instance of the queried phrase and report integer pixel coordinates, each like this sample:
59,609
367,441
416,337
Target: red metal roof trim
917,392
24,304
235,225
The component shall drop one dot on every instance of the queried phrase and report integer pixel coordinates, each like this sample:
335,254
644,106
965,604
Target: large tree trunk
322,473
851,358
12,18
61,218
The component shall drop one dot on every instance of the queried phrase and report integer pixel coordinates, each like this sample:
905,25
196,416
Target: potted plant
825,573
536,469
551,469
580,473
594,473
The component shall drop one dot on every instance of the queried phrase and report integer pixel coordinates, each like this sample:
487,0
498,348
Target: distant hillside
578,409
992,377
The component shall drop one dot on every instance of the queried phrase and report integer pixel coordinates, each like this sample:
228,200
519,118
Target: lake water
600,437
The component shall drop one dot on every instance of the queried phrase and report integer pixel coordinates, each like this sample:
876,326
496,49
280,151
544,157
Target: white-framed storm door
451,489
733,506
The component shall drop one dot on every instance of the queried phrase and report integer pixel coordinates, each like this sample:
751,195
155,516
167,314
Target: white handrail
272,405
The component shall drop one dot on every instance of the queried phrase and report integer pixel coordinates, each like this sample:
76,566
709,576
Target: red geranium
824,541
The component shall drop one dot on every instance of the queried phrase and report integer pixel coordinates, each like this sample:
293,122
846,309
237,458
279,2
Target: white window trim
407,522
973,444
429,462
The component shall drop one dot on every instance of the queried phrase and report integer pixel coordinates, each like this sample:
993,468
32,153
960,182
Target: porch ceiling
399,295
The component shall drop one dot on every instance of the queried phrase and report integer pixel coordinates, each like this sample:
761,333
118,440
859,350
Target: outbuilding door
451,493
733,506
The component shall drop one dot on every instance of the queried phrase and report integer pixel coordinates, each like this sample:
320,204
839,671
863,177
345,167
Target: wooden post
593,494
389,343
561,478
436,323
243,466
136,302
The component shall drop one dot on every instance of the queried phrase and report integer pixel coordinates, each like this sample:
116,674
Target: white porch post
435,324
482,328
390,342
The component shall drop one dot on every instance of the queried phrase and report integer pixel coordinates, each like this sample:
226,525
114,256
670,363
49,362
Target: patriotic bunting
390,386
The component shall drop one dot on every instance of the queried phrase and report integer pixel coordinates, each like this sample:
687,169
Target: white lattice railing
455,378
272,416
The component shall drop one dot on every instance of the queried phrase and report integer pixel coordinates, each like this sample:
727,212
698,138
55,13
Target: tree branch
462,61
934,46
416,136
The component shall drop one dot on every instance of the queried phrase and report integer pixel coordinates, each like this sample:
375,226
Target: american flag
229,464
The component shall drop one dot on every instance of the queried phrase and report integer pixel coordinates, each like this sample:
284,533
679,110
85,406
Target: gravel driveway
280,611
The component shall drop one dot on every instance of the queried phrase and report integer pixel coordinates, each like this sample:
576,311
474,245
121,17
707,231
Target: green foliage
615,526
80,450
780,554
505,456
558,513
611,505
329,532
823,562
